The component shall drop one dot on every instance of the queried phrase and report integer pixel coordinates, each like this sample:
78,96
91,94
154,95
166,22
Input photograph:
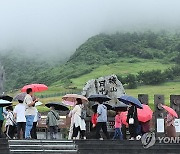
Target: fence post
159,115
143,98
175,104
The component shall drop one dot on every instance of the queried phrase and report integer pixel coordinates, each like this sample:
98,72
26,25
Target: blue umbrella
129,99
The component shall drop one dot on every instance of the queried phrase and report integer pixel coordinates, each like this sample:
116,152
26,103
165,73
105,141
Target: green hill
134,57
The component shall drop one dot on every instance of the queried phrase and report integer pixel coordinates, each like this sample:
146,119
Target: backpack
83,113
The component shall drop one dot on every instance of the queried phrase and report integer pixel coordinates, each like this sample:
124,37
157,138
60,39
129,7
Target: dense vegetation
100,50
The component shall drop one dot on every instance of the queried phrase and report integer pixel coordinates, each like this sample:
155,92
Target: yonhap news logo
149,139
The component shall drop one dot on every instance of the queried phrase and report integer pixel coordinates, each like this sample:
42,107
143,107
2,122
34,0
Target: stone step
43,151
4,146
42,146
34,146
126,151
40,141
125,147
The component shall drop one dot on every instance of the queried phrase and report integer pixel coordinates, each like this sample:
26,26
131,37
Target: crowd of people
22,120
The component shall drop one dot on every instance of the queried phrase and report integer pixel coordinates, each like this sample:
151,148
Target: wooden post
143,98
175,103
159,115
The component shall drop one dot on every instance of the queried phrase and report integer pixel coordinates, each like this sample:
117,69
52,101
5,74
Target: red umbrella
144,114
35,87
170,110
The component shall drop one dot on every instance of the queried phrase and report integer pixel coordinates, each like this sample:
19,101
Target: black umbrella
57,106
120,107
20,96
4,103
99,98
6,97
94,107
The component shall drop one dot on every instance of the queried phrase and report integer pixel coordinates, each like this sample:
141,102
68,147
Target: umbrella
57,106
38,103
35,87
129,99
99,98
20,96
120,107
73,97
4,103
6,97
94,107
68,103
144,114
170,110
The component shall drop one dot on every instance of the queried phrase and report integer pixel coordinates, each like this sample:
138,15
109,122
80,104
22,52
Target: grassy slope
122,68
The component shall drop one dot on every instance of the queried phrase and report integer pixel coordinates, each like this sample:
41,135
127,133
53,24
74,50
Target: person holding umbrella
101,114
30,112
101,120
132,120
169,121
52,122
170,126
79,122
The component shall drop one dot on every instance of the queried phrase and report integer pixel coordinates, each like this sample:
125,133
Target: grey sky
60,26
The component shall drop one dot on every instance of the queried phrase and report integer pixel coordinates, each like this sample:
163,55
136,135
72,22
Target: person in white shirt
30,112
19,115
79,123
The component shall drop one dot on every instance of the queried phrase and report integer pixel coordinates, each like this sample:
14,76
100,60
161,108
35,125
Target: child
52,122
10,124
118,125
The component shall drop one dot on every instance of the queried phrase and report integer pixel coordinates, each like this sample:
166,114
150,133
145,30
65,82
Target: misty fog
58,27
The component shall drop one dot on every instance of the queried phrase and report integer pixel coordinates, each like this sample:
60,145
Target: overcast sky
60,26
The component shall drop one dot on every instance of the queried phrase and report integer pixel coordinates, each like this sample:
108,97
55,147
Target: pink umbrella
35,87
170,110
68,103
144,114
73,97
